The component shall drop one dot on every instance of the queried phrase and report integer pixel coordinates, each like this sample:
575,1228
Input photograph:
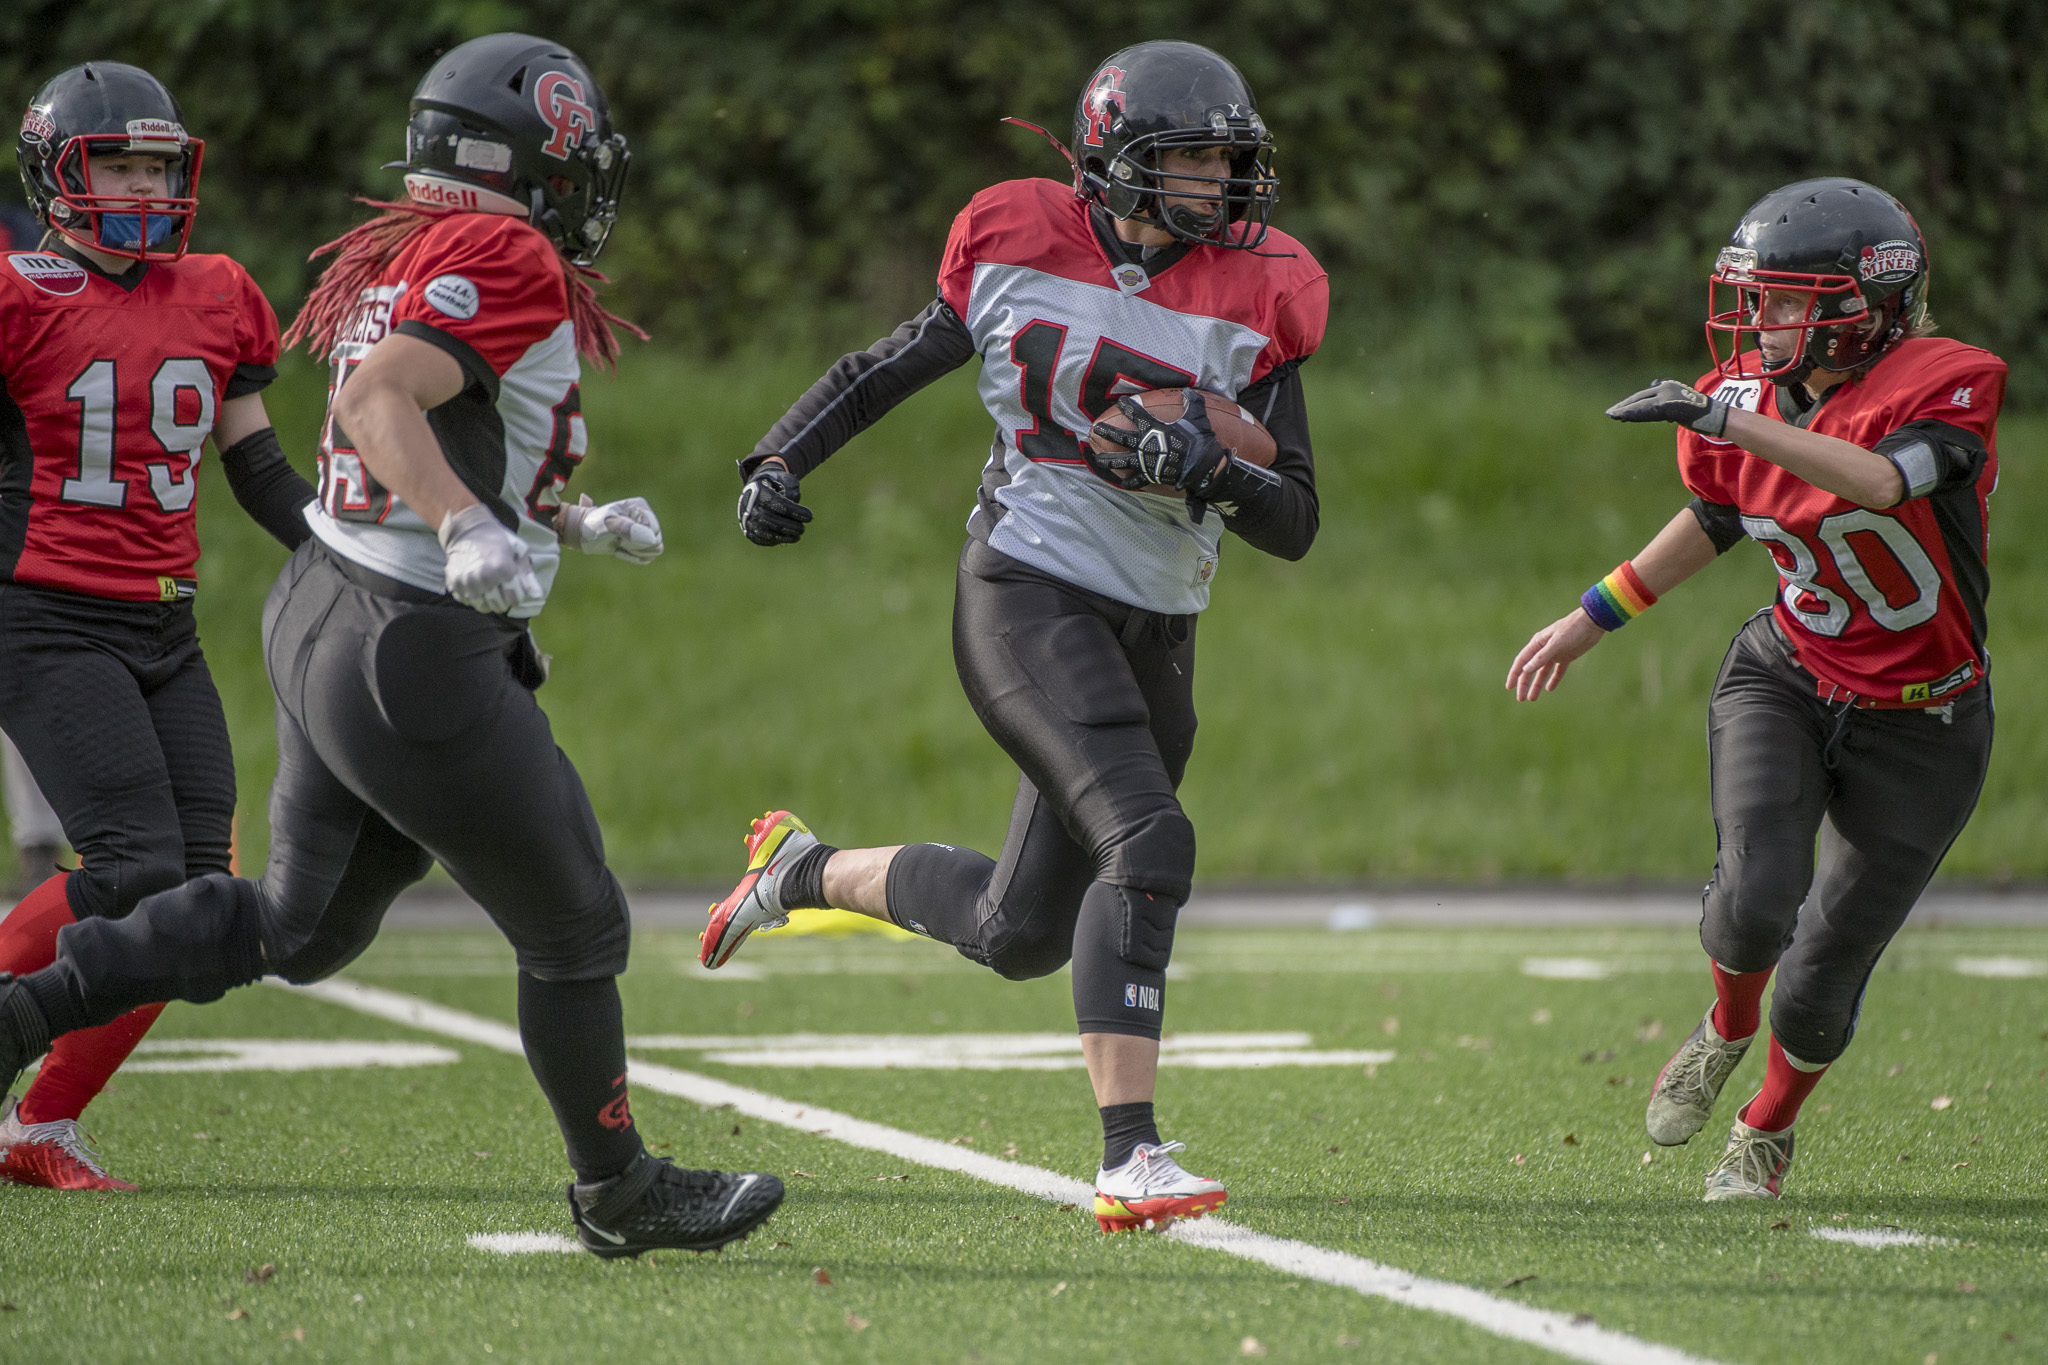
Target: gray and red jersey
1885,604
489,290
1066,319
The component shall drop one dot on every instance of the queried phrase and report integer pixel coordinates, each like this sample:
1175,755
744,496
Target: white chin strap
442,193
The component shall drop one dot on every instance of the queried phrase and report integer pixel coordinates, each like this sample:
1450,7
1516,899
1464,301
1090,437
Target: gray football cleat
1753,1167
1683,1098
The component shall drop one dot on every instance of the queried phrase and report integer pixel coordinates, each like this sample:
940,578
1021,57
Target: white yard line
1563,1333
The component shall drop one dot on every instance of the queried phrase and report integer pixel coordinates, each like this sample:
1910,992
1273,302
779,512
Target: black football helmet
514,124
1839,252
100,109
1159,95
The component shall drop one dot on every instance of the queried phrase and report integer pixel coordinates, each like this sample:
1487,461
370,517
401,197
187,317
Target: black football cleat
24,1032
655,1204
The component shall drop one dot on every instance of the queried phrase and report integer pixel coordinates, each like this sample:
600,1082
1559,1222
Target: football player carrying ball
1086,563
120,357
1860,450
397,640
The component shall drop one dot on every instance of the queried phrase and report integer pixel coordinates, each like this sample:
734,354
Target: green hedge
1484,178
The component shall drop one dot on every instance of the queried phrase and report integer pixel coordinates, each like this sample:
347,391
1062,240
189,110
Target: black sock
1124,1126
575,1036
803,881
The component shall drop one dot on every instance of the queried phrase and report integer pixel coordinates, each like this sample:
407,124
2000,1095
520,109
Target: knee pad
586,944
1156,853
1121,947
1752,906
1146,939
194,943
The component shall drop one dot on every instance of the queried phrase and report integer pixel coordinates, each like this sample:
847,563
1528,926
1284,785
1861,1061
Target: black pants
1886,791
407,733
116,715
1094,701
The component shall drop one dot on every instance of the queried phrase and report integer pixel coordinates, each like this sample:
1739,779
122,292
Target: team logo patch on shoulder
1889,262
51,274
1131,278
453,295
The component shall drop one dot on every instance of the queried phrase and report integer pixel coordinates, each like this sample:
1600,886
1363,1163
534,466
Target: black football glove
1667,400
769,511
1185,454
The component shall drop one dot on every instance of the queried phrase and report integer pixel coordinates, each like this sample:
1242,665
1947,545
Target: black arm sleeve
1279,515
1934,456
855,393
270,490
1722,521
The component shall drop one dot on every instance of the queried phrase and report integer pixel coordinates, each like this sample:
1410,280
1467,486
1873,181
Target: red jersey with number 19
1885,604
110,390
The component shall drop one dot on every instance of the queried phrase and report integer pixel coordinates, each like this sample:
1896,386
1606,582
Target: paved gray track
443,907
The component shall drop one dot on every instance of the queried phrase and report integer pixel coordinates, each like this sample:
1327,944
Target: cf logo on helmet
1103,103
560,100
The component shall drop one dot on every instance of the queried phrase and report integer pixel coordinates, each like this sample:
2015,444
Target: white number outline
97,391
1834,532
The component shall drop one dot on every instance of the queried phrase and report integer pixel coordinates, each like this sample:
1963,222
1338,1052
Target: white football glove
488,567
627,529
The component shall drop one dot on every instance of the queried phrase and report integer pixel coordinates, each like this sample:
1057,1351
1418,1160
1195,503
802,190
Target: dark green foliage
1488,177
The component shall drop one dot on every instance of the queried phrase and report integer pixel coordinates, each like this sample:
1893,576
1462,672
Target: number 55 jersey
1885,604
108,390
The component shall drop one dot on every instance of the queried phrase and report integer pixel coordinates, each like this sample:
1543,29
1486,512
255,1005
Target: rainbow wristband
1617,599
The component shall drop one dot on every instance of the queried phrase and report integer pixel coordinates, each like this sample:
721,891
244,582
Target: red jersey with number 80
110,394
1885,604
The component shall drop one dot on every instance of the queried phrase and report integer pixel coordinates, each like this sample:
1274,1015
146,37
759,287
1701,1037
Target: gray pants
1885,791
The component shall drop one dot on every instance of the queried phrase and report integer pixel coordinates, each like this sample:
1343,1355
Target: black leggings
1094,701
116,715
1886,791
407,733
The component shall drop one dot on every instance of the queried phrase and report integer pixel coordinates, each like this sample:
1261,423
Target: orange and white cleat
54,1156
1151,1190
778,840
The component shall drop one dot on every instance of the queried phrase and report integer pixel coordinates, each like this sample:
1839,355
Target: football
1237,429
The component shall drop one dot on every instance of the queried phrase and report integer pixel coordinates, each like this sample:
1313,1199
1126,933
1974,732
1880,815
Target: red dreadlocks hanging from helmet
363,252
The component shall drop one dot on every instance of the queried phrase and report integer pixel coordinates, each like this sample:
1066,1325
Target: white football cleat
1753,1167
776,840
1682,1099
1151,1190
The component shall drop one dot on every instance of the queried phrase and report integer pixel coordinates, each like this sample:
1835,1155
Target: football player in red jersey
121,356
1860,450
1074,620
397,642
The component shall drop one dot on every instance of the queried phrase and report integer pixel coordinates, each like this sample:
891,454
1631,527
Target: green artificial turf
1353,723
1449,1160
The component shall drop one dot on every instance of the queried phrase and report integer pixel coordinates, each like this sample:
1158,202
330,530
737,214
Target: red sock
80,1064
28,936
1735,1000
1786,1087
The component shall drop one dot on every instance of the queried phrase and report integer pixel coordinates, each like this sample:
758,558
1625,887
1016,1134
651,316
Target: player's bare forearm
1827,462
1673,555
383,409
